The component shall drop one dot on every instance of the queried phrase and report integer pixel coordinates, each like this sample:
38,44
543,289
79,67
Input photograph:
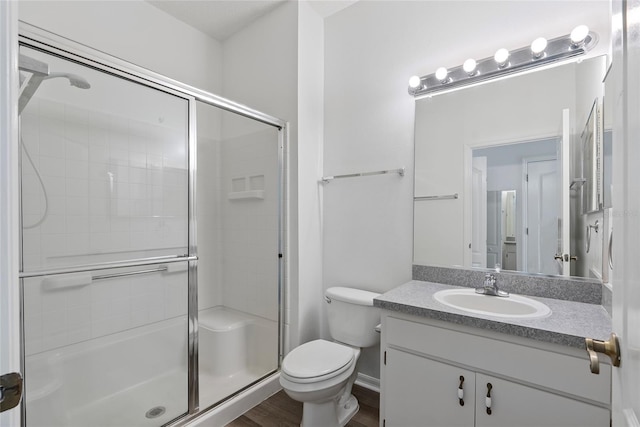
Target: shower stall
145,299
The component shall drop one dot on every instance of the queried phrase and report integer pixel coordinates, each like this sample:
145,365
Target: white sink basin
513,306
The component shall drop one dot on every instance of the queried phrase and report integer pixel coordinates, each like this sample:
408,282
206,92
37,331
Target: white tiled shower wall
117,187
249,227
237,237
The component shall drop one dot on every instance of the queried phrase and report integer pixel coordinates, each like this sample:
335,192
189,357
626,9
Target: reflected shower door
105,230
238,206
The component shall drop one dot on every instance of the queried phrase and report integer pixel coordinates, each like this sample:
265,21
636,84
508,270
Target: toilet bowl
321,373
318,374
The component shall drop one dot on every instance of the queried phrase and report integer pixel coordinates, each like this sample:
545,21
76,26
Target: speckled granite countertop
568,324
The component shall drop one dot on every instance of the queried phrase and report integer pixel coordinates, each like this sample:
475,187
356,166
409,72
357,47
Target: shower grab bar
77,280
443,197
327,179
130,273
110,265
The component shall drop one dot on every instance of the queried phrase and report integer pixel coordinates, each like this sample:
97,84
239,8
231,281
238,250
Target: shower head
74,79
39,71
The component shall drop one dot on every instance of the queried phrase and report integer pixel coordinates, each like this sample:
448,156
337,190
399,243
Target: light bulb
469,66
415,82
579,34
441,74
501,57
538,46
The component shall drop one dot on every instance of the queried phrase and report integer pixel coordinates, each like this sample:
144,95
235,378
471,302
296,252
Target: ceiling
217,18
222,18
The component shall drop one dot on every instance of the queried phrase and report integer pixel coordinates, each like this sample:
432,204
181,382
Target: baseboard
238,405
369,382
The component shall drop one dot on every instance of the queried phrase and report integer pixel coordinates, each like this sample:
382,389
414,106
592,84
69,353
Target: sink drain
155,412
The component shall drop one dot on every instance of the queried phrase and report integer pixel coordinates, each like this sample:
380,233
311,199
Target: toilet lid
316,358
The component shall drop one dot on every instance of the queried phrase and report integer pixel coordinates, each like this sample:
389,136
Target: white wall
371,50
369,116
136,32
310,158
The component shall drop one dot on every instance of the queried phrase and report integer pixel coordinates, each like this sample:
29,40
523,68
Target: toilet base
327,414
348,410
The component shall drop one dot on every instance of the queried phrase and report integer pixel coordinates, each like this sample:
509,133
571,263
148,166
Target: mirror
592,162
509,173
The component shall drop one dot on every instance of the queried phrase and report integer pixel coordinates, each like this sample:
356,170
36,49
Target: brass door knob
610,347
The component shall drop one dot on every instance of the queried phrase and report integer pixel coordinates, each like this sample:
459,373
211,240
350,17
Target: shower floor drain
155,412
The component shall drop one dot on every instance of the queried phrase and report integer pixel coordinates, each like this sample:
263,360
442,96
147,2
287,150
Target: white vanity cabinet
425,363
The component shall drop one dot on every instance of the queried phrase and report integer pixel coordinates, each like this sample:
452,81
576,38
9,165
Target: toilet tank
352,316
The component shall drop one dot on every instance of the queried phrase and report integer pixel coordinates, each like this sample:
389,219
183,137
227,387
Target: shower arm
39,71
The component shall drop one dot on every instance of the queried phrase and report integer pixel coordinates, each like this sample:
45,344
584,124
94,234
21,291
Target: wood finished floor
281,411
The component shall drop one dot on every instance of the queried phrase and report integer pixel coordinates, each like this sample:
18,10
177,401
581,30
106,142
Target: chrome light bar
540,53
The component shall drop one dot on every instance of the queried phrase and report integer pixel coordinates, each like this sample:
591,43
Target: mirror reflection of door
541,227
502,246
479,218
494,228
508,235
507,201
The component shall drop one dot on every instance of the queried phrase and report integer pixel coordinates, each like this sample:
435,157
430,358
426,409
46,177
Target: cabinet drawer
553,370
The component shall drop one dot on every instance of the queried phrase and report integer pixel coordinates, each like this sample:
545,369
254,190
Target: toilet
320,373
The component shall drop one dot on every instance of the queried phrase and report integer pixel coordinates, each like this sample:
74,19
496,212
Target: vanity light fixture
441,75
579,35
501,57
504,62
469,66
415,83
538,46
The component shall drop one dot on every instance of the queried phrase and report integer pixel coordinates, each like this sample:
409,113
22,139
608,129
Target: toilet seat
317,361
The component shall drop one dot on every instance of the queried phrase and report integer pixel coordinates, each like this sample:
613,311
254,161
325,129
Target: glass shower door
105,244
238,251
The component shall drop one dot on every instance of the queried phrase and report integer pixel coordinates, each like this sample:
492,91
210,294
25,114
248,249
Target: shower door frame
39,39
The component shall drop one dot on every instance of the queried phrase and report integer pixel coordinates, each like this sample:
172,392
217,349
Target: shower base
139,377
130,406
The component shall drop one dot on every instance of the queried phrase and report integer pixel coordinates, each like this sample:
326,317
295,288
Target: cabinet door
518,405
423,392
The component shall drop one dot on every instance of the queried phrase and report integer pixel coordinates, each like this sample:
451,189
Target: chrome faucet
490,287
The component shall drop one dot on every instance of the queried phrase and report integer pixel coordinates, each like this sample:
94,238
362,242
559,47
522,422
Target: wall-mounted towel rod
326,179
444,197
